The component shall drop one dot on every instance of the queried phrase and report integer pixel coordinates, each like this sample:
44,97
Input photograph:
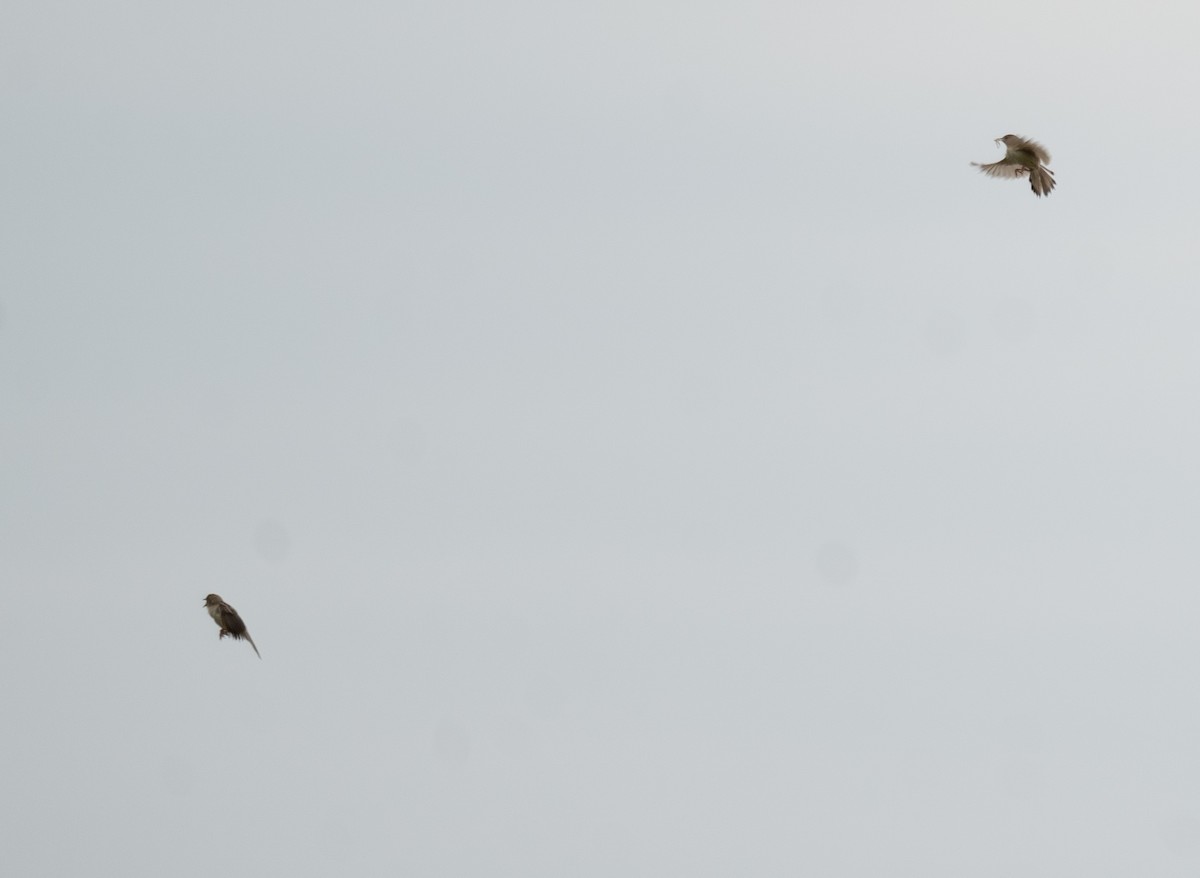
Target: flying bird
1022,157
228,620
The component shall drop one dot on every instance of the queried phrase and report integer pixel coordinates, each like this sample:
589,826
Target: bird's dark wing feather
1034,147
231,621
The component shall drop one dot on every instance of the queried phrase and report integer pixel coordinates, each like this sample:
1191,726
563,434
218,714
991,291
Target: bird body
1022,157
228,621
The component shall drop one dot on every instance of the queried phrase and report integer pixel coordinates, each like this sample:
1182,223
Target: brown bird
229,621
1022,157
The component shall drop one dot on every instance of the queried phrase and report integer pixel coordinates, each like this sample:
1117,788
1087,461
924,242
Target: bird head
212,600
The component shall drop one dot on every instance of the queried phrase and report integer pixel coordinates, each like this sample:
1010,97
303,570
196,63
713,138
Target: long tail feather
1041,181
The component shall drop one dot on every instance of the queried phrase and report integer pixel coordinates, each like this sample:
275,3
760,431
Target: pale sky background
638,441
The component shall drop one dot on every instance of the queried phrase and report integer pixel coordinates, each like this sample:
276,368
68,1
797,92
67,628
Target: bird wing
1007,170
1032,146
231,621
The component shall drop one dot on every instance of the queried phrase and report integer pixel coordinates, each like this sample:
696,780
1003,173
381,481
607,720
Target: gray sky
637,440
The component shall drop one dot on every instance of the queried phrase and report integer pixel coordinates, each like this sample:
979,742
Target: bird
1021,157
229,621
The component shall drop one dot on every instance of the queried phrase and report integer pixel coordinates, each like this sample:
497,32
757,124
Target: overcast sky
637,440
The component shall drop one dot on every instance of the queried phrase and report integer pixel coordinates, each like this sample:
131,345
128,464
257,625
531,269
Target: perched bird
229,621
1020,158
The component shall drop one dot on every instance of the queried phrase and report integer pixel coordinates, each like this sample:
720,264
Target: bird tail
251,641
1041,181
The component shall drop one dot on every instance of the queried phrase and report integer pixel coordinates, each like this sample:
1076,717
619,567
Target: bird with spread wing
1022,157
